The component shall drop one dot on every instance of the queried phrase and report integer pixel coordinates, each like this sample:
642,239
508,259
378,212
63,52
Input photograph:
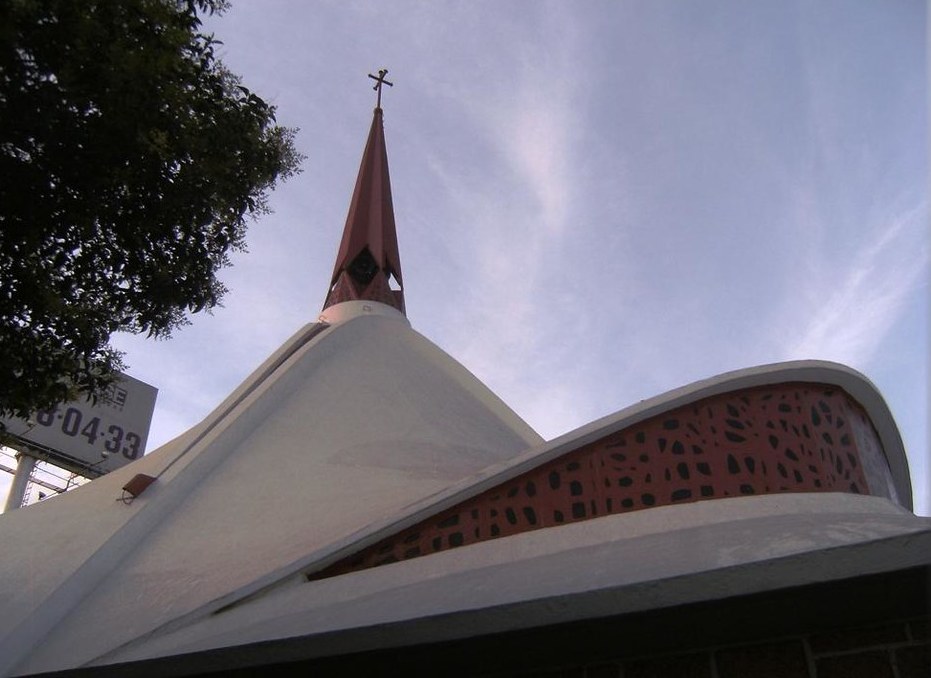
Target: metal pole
24,465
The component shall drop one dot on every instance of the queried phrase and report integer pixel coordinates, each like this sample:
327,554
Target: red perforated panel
785,438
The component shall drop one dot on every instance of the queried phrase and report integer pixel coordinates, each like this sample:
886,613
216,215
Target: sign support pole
25,463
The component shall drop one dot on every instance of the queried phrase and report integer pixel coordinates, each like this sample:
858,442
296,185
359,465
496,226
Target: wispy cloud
858,303
536,129
518,213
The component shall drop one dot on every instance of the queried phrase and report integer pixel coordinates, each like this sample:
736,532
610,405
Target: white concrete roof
350,432
345,424
612,565
803,371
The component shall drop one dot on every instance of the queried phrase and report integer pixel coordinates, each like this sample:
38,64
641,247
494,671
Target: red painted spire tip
368,265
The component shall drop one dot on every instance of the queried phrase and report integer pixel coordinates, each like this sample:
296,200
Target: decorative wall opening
764,440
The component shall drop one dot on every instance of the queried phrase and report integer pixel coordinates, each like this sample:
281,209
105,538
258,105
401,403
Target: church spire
368,266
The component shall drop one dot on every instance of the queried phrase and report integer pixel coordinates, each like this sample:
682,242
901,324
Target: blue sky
596,201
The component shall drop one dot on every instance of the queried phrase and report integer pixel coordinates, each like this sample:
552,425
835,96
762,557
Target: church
363,505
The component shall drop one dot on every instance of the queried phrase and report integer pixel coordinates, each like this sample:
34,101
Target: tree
131,160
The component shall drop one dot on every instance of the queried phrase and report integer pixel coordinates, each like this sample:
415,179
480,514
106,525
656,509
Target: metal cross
380,80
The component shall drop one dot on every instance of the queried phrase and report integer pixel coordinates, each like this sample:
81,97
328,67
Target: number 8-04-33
116,440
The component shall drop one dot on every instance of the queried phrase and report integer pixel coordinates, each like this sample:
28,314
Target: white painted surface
339,428
345,435
659,548
808,371
347,310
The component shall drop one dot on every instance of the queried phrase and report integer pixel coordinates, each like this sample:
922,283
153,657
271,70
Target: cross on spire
368,267
380,80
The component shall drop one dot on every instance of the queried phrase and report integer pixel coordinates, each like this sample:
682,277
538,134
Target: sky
596,201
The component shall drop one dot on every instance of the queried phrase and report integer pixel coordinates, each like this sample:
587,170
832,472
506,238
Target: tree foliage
130,162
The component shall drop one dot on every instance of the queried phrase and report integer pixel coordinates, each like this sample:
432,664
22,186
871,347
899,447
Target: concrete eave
804,371
616,565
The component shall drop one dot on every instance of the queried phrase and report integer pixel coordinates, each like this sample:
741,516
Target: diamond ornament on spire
368,265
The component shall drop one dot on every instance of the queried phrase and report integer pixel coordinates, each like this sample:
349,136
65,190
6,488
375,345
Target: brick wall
892,650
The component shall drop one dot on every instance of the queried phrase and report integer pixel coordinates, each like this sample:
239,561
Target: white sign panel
82,436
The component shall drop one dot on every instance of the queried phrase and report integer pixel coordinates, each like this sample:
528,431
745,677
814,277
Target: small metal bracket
136,486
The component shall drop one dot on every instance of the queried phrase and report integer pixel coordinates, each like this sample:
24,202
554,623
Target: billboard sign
92,439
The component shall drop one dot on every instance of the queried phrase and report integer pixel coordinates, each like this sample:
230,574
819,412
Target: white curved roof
345,424
357,429
802,371
617,564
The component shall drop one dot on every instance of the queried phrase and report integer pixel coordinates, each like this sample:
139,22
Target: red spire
368,259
